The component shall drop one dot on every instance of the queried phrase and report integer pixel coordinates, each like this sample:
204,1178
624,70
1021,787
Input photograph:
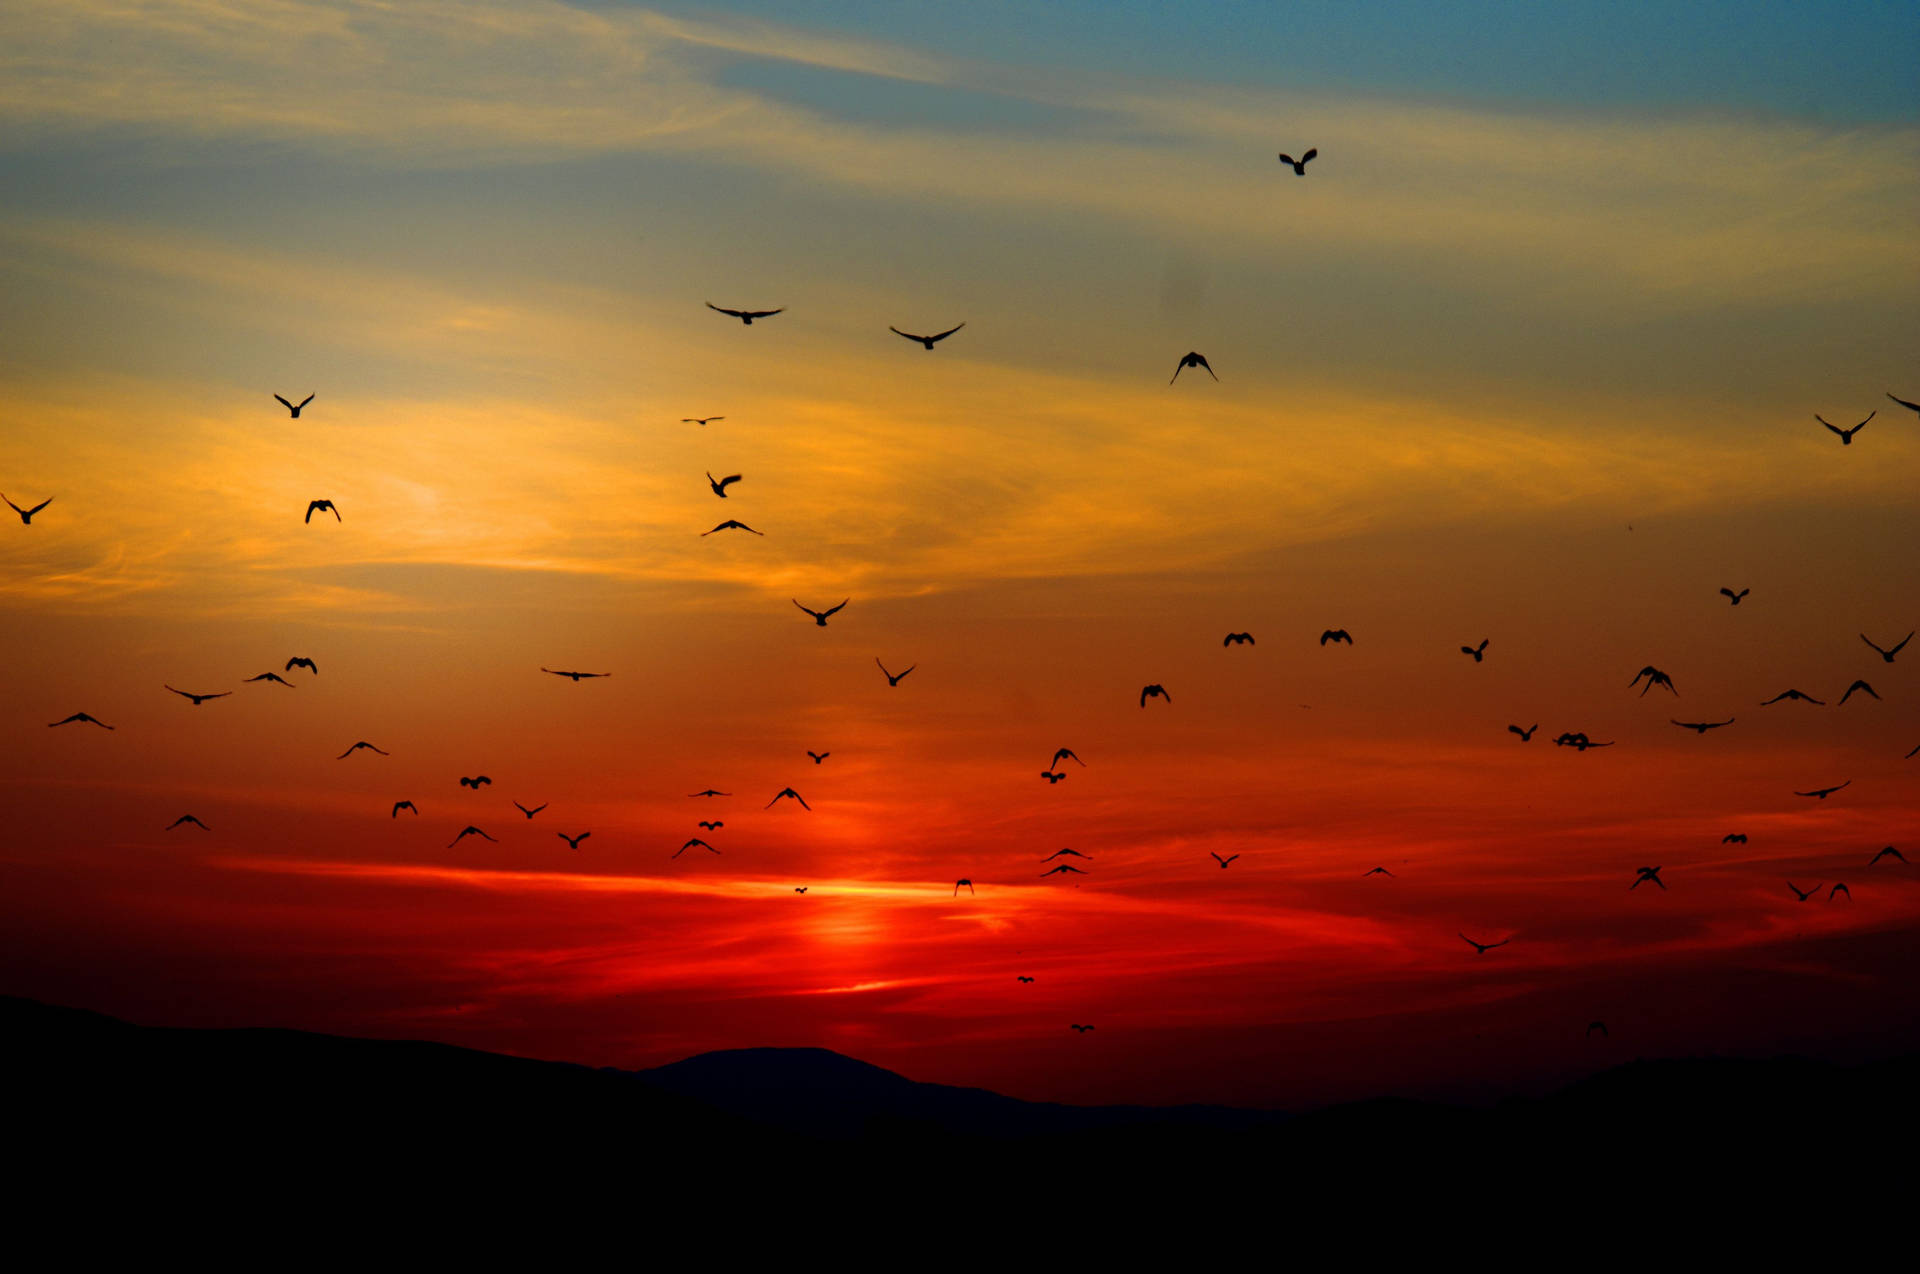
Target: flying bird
700,420
1701,727
745,316
531,812
926,340
731,525
1191,359
1822,793
1377,871
1734,838
891,679
962,881
1022,978
187,818
467,831
1794,694
1481,948
818,757
1064,867
1858,685
786,793
1155,691
477,782
713,826
1478,652
404,805
1074,852
573,842
200,699
1596,1026
1846,435
720,487
799,889
1840,887
1299,165
1076,1026
709,792
80,716
1804,894
1735,597
1223,861
301,661
820,616
1642,875
356,747
1888,852
574,676
26,515
1526,735
321,506
1336,634
1654,678
290,407
1239,639
1066,754
691,843
1886,654
1913,407
274,676
1052,777
1579,742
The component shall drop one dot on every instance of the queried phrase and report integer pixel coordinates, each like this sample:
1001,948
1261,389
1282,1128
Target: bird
820,616
573,842
187,818
785,793
1223,861
1795,694
891,679
691,843
1914,407
80,716
1701,727
1858,685
1822,793
1021,977
200,699
1642,875
26,515
531,812
720,487
1888,852
1336,634
1846,435
574,676
1735,597
1804,894
1526,735
1076,1026
1074,852
1478,652
702,421
290,407
1066,754
404,805
1052,777
1908,757
731,525
321,506
1377,871
1579,742
1155,691
799,889
926,340
469,830
713,826
301,661
274,676
818,757
1734,838
745,316
1481,948
1840,887
356,747
1887,654
1239,639
1192,359
477,782
1299,165
709,792
962,881
1596,1025
1064,867
1654,678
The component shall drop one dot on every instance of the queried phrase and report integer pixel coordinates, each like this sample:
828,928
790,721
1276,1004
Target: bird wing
49,500
284,403
1876,649
1903,642
1286,159
712,306
306,400
909,335
910,668
1311,152
941,336
1904,403
763,313
724,482
842,606
1823,420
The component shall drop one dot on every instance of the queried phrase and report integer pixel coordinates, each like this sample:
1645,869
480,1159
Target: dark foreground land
104,1109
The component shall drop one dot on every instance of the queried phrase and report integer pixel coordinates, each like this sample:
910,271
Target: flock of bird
1053,773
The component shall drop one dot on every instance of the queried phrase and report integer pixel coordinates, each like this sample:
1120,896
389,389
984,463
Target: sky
1531,354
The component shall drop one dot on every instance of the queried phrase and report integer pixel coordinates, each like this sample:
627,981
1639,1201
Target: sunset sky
1531,354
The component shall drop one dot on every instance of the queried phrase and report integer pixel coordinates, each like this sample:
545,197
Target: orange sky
1467,390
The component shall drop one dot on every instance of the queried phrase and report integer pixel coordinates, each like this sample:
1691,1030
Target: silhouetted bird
1794,694
1858,685
1654,678
290,407
1822,793
1803,894
79,716
1022,978
1052,777
700,420
1066,754
1735,597
1076,1026
720,487
731,525
321,506
1887,654
1526,735
691,843
820,616
787,793
1478,652
1239,639
574,676
356,747
1734,838
1840,887
467,831
1888,852
187,818
26,515
1155,691
709,792
1299,165
531,812
1846,435
477,782
274,676
1223,861
1074,852
1913,407
799,889
1377,871
926,340
892,680
1481,948
1579,742
1642,875
1064,867
745,316
301,661
1597,1026
1701,727
573,842
818,757
404,805
962,881
713,826
200,699
1335,634
1191,359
